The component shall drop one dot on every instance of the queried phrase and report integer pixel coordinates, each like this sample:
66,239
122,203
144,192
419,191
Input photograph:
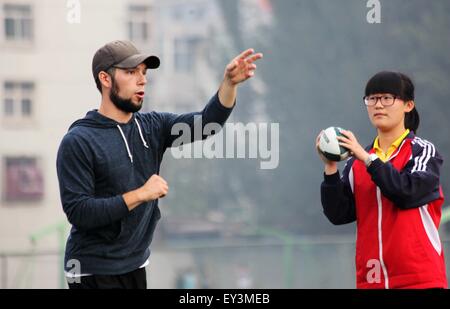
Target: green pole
60,229
288,274
445,215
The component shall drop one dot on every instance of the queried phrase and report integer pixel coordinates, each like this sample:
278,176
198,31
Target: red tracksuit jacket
397,209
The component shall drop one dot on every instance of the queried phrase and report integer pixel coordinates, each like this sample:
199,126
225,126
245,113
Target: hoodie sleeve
75,171
417,184
173,126
337,197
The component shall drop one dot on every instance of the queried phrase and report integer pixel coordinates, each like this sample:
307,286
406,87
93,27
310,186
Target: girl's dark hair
399,85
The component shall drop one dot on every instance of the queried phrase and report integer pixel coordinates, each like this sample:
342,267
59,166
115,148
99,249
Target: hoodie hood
94,119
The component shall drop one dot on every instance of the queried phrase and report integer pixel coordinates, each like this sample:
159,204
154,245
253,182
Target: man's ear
409,106
105,79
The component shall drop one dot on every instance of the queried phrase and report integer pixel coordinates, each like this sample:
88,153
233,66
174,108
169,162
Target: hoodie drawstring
125,140
126,143
140,133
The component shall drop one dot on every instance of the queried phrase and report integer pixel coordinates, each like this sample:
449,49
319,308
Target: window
185,54
18,22
23,180
18,100
188,12
139,23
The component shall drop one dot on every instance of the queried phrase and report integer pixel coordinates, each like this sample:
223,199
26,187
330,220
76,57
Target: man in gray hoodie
108,165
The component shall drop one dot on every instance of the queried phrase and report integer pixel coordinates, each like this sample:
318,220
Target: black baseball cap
123,55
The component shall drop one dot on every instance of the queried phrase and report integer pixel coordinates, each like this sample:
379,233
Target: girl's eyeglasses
386,100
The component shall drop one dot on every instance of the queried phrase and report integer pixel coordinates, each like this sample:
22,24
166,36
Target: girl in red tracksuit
392,190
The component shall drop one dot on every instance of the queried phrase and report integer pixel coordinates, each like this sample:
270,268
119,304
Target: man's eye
130,71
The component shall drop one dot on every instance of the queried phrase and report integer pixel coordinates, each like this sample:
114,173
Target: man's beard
125,105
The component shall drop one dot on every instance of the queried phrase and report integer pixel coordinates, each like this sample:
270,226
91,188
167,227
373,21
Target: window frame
17,40
21,91
9,195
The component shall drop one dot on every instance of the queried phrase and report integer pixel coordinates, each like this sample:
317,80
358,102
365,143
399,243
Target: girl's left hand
351,143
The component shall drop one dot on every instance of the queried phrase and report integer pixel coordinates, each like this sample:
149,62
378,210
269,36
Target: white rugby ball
329,145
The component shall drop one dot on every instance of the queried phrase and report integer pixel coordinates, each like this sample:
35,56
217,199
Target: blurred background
226,223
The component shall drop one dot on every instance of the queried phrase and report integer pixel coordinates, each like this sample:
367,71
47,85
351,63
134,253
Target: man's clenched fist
155,188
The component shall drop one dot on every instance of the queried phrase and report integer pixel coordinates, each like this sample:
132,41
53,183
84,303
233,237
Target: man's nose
142,79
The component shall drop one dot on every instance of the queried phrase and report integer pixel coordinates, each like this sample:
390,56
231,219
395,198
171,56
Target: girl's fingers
347,133
348,146
341,138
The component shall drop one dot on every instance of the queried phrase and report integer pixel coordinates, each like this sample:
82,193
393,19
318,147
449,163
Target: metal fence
297,263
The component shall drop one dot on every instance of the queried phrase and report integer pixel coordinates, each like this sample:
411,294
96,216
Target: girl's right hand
331,167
